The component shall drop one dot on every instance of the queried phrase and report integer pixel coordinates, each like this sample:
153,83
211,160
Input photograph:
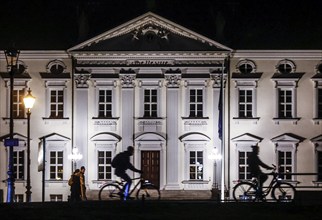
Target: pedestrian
82,183
121,163
75,186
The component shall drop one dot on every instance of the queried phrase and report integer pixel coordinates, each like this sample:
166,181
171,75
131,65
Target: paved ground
166,210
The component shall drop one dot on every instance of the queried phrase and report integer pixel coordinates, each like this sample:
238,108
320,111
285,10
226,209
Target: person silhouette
255,163
121,162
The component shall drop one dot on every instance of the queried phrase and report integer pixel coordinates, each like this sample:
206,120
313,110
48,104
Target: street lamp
12,56
74,157
215,156
29,101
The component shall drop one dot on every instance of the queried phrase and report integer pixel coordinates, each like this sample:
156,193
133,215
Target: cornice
41,54
278,54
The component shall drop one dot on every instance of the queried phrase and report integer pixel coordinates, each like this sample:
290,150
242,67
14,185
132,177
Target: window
150,103
285,163
19,164
105,103
196,103
243,169
319,103
245,68
245,105
56,165
56,198
18,106
196,165
285,66
319,165
286,148
56,103
285,103
104,159
19,197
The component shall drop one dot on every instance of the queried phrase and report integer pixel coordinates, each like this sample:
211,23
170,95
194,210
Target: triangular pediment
54,137
247,138
288,137
149,32
317,139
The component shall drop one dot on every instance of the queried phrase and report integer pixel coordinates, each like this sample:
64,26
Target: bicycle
114,190
248,190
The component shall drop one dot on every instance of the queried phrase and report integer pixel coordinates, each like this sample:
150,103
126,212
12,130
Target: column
127,106
172,153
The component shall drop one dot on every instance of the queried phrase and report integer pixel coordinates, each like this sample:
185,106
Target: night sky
238,24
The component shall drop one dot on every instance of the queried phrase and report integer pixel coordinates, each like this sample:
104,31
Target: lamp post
29,101
215,156
74,157
12,56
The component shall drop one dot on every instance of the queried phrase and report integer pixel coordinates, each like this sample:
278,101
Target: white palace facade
156,85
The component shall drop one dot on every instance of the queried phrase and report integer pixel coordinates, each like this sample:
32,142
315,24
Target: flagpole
222,100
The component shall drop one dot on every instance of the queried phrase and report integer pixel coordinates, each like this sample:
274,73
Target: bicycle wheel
244,192
148,192
110,192
283,192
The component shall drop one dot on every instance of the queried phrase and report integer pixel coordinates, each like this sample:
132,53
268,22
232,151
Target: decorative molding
173,80
81,80
127,80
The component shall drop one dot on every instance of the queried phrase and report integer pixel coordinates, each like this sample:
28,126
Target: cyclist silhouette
121,163
254,166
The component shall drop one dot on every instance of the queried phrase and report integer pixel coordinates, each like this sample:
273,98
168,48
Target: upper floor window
285,103
56,67
150,103
56,103
245,103
285,67
18,106
105,103
196,103
246,66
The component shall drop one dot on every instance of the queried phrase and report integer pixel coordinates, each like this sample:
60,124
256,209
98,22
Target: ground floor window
104,159
196,165
243,167
56,198
19,164
285,163
56,165
19,197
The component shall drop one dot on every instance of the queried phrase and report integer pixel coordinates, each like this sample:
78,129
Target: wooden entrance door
150,165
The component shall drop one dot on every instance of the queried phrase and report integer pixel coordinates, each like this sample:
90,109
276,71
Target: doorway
150,165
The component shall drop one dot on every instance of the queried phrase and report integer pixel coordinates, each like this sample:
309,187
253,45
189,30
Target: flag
220,110
225,68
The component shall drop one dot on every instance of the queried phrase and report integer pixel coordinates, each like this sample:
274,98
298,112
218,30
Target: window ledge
317,121
195,118
16,120
195,181
105,118
317,183
239,119
55,120
44,118
150,118
293,120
